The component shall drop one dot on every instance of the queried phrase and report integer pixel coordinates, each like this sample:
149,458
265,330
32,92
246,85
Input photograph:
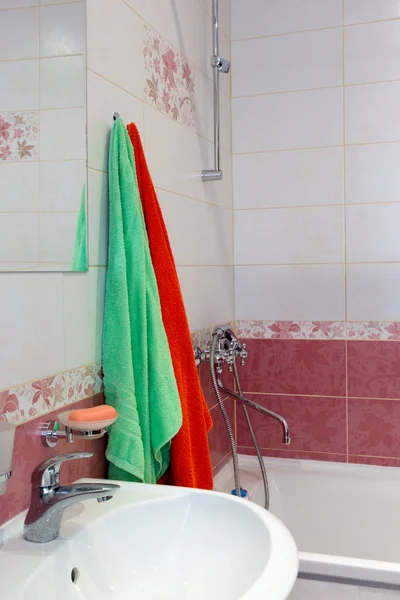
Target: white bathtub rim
362,570
300,464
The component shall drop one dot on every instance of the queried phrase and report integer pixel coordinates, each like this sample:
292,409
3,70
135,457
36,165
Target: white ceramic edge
276,580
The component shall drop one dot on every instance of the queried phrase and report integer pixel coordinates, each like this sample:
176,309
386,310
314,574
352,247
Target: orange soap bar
97,413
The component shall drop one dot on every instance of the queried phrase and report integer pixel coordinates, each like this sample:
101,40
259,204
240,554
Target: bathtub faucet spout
286,435
265,411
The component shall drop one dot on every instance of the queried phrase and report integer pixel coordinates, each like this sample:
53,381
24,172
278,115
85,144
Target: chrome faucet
49,499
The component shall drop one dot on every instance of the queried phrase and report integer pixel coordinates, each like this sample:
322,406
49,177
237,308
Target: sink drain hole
74,575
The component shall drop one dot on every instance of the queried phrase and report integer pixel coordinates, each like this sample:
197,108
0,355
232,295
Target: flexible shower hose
255,443
214,342
235,460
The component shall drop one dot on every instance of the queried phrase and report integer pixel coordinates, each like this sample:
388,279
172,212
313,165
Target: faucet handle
47,474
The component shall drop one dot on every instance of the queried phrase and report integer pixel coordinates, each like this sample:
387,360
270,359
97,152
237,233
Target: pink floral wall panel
29,452
340,397
374,427
206,384
316,424
170,79
306,367
19,135
218,438
373,369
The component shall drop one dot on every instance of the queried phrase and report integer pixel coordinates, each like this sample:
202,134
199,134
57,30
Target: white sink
153,542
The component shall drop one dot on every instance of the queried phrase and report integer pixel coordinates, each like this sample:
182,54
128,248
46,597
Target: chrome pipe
215,18
218,65
265,411
254,440
214,379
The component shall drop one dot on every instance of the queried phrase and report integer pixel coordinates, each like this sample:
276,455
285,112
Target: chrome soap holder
51,431
7,435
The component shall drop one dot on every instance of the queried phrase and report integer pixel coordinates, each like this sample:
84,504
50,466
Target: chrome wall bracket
51,434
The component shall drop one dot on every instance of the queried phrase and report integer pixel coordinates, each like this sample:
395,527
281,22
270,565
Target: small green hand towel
139,379
80,259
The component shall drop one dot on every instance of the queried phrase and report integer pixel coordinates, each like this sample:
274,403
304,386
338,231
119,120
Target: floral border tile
84,382
170,80
30,400
374,330
18,135
297,330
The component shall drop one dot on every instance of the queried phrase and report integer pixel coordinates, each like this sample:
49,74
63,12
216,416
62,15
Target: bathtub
345,520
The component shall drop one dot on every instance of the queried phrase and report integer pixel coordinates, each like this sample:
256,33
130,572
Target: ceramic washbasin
153,542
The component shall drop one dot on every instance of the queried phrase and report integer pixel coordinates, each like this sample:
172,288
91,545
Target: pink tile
374,427
295,454
218,436
221,464
309,367
373,460
373,369
316,424
29,452
207,386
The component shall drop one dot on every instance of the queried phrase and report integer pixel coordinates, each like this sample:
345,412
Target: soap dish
62,417
51,431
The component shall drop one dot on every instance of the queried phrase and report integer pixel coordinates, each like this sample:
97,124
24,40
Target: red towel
190,455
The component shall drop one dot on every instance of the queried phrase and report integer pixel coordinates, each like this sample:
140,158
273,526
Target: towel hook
115,115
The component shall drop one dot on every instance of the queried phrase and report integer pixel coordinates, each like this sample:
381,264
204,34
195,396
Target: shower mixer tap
225,347
228,349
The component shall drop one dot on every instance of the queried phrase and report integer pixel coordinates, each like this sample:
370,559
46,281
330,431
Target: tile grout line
322,206
345,231
39,183
300,451
47,57
322,396
37,6
299,31
328,146
307,264
364,456
315,89
274,449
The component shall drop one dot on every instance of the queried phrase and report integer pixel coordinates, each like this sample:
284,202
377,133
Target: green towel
139,379
80,259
